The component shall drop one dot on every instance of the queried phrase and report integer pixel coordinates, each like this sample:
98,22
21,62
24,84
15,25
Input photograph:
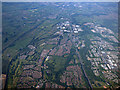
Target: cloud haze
59,0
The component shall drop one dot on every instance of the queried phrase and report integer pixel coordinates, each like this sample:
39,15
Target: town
60,45
101,54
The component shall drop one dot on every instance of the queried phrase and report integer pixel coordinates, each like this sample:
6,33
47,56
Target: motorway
84,73
86,77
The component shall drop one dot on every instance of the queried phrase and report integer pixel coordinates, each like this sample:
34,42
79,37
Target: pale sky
59,0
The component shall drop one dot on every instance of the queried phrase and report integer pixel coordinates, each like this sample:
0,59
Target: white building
75,31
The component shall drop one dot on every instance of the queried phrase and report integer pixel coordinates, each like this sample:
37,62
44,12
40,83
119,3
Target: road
86,77
84,73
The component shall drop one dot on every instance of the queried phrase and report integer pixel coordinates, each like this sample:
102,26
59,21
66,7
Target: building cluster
53,51
72,76
32,73
103,54
76,28
111,76
31,47
28,66
64,47
26,82
65,27
44,53
104,32
30,52
28,76
53,85
53,41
